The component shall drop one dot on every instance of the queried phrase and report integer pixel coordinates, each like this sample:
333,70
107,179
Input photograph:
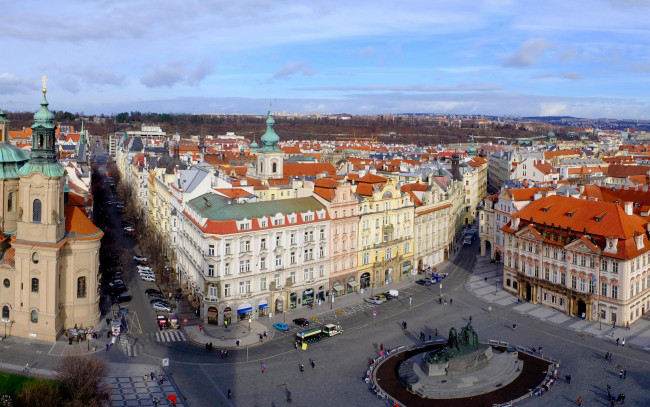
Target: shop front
406,267
352,285
308,297
337,289
227,316
365,280
213,316
262,308
293,300
244,311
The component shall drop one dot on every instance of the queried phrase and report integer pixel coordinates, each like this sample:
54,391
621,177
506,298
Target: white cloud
528,53
293,68
174,72
463,87
13,84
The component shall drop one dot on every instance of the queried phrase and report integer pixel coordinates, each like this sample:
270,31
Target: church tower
270,158
42,179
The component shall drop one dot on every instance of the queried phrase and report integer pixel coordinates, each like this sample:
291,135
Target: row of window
81,286
245,287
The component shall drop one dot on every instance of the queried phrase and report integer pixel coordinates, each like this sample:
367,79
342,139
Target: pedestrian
295,345
617,340
211,347
429,337
606,356
288,396
26,370
627,326
262,368
579,401
623,342
200,327
229,394
470,319
436,331
514,327
313,363
624,373
161,379
489,309
264,334
302,367
221,356
568,379
381,346
620,374
152,376
237,342
539,350
108,334
108,345
451,300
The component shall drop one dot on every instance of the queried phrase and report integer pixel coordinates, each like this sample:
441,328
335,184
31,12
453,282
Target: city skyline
500,57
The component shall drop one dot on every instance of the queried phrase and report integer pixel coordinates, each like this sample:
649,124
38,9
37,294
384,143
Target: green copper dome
3,117
12,159
270,138
254,144
44,117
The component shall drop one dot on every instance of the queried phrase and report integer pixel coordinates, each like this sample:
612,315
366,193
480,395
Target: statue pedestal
460,364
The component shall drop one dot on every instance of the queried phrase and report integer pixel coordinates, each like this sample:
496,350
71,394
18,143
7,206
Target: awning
227,313
338,288
309,291
244,308
213,314
353,283
263,304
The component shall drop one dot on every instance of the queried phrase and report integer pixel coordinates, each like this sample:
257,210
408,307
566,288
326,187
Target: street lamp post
249,325
441,293
6,321
496,286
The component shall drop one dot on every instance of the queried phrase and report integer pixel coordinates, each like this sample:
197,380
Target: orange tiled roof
525,194
25,133
77,223
545,167
561,153
233,192
597,219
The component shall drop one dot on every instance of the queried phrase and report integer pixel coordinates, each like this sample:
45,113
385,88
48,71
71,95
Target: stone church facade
49,251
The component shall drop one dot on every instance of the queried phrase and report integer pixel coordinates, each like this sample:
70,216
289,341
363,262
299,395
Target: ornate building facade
49,250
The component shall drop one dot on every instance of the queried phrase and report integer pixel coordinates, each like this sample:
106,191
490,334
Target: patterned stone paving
140,391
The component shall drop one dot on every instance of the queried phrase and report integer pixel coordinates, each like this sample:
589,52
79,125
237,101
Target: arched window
34,316
34,285
10,201
5,312
81,287
36,218
274,167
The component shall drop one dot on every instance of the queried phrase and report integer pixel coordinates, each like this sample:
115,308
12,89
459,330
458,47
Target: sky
584,58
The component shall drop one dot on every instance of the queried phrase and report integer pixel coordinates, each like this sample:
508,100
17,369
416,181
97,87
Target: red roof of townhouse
308,169
234,192
525,194
561,153
545,167
23,134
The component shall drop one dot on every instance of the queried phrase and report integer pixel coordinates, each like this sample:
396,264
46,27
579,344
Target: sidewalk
485,283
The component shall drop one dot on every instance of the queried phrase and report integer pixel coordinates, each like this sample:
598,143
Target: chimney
628,207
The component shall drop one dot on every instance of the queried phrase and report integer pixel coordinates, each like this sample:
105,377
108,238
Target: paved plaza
202,378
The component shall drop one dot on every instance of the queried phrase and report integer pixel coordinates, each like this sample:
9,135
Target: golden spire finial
44,80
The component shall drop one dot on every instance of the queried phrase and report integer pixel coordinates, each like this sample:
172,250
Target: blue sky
578,58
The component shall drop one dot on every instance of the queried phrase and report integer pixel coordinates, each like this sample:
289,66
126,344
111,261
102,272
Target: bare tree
84,379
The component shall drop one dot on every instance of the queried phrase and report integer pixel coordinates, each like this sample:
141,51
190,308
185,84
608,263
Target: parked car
280,326
151,291
144,268
159,307
139,258
372,300
147,274
387,295
424,282
114,283
129,229
150,278
382,297
301,322
122,298
154,300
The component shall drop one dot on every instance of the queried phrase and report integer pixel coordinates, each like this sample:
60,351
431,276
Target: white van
394,293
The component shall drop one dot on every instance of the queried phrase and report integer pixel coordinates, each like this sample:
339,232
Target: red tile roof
78,223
